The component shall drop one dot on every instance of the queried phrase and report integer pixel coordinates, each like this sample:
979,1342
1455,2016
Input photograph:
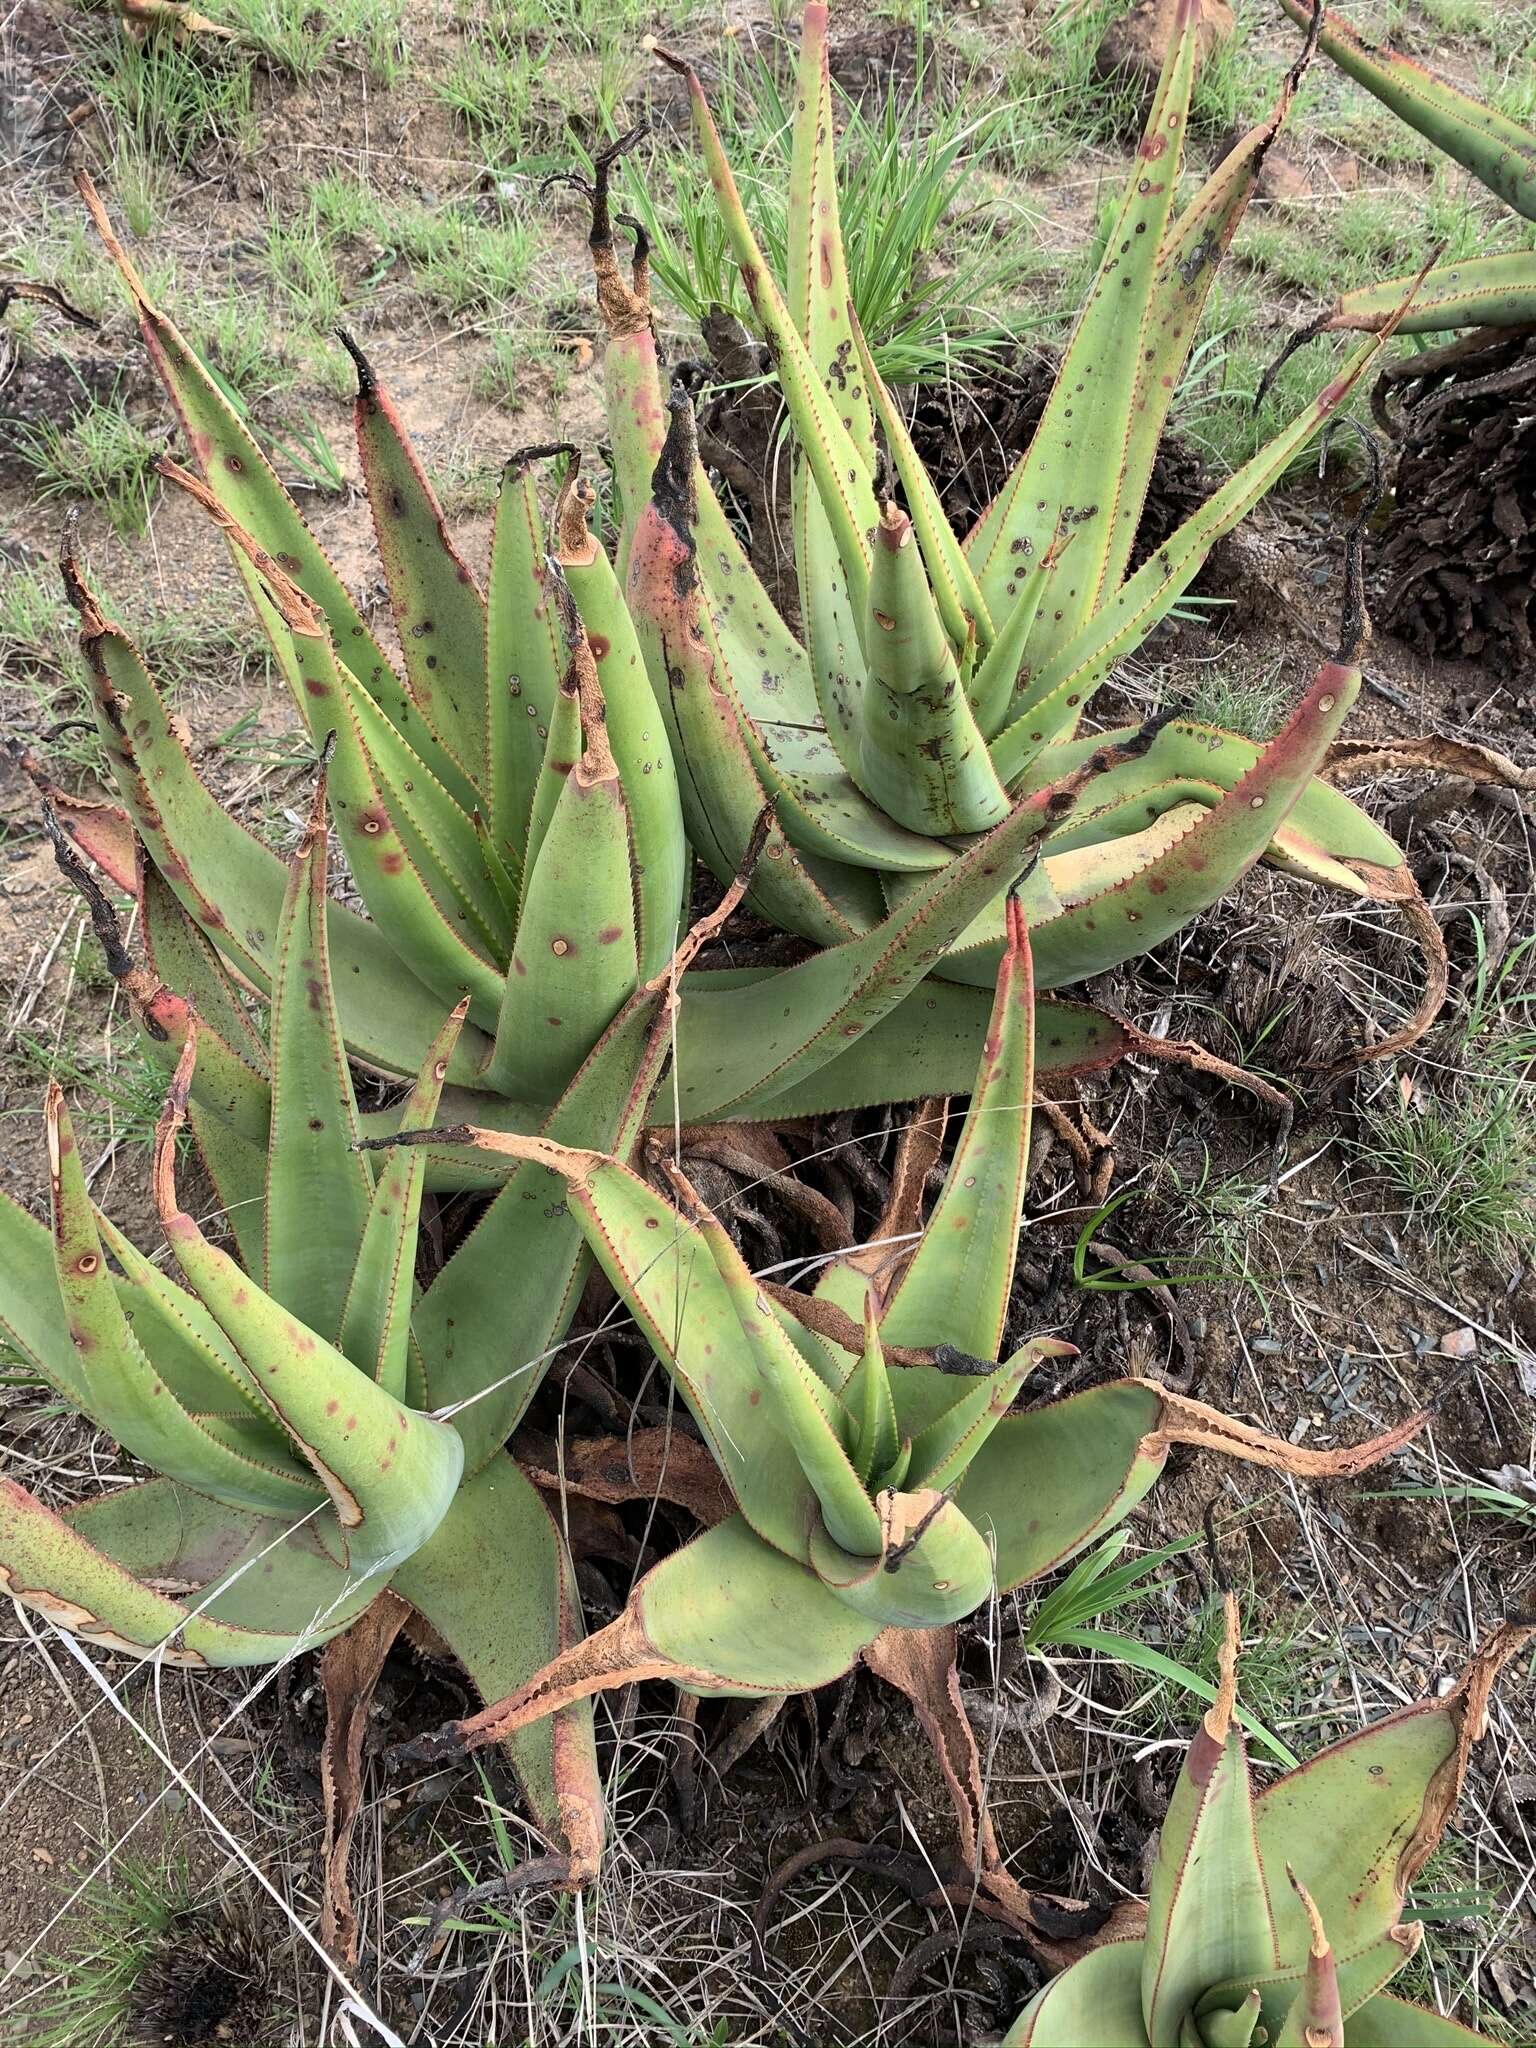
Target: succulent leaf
933,1038
843,482
773,1034
390,1474
1075,469
1191,253
955,589
1209,1915
869,1399
1098,2000
961,1274
182,958
122,1389
94,1573
439,614
809,1414
484,1580
921,754
319,1186
245,484
575,962
1387,2021
1362,1817
526,657
1493,148
376,1320
31,1314
1058,690
637,735
197,1360
1045,1483
1475,291
228,882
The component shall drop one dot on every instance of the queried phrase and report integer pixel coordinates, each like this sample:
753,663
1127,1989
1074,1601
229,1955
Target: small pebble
1460,1343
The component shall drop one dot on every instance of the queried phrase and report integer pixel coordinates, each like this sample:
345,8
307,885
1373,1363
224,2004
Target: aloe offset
941,680
879,1495
1278,1916
322,1429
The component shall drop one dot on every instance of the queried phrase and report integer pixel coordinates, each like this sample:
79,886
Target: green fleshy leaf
376,1321
89,1572
1097,2001
318,1186
1380,1780
31,1314
955,1288
809,1414
920,755
1047,1482
228,882
504,1624
245,485
1209,1914
1388,2022
637,735
124,1390
1074,470
439,614
1495,149
734,1607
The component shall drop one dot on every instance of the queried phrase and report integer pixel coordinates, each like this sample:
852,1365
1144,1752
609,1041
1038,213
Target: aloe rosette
1473,292
320,1428
940,680
508,805
1278,1915
879,1496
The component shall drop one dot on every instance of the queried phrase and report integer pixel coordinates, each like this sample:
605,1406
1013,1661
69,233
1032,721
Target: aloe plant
510,811
1277,1916
320,1430
939,680
879,1495
1478,291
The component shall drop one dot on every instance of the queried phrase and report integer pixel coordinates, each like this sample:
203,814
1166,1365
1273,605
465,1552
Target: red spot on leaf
1204,1756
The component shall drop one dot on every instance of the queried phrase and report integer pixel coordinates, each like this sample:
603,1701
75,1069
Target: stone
1136,42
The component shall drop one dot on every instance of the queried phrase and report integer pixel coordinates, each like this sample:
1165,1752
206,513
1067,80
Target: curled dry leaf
349,1672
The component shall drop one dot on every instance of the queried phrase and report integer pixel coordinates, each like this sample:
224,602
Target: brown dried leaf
1469,1703
920,1663
648,1464
1397,886
1436,752
620,1654
349,1671
1191,1422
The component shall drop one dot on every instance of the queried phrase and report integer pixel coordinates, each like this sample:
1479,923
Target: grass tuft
1462,1165
911,188
104,457
305,41
464,257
